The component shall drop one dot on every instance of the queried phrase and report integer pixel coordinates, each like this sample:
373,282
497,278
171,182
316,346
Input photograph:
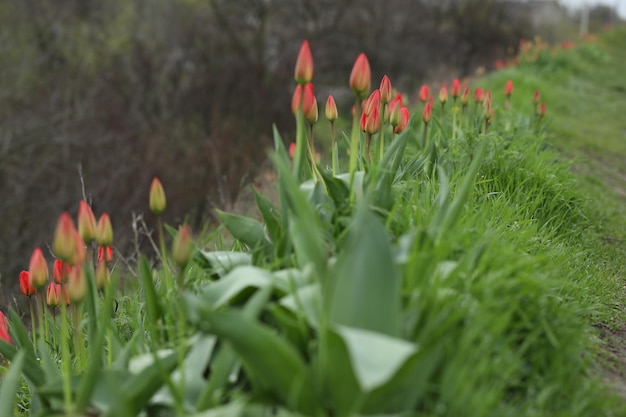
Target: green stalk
454,122
333,151
66,359
355,137
301,141
33,326
381,139
79,345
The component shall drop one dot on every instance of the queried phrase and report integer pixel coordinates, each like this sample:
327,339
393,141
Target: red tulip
105,231
309,99
25,287
385,90
465,96
424,93
105,253
52,294
508,88
361,76
296,99
292,149
76,285
304,64
427,113
372,102
542,110
479,95
404,120
60,271
38,269
64,243
455,88
4,329
443,95
331,109
395,112
372,124
86,222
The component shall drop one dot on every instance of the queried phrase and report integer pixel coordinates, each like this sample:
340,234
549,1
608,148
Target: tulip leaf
221,292
31,370
244,229
269,359
10,385
154,311
222,262
270,216
366,284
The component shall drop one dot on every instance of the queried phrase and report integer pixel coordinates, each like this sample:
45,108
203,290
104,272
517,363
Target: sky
620,4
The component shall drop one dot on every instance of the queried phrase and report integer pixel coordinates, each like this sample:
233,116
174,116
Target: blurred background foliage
97,97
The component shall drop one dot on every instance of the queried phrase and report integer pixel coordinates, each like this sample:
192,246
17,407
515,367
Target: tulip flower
465,97
508,88
304,65
385,90
4,329
536,97
443,95
427,113
479,95
60,271
542,110
53,295
331,109
372,124
424,93
309,99
157,199
361,77
77,285
64,242
363,121
292,149
404,120
395,112
105,231
455,89
296,98
25,287
312,115
182,246
399,98
372,102
38,269
86,222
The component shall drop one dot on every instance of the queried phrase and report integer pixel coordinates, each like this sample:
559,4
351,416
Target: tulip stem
381,139
354,145
333,151
66,359
33,326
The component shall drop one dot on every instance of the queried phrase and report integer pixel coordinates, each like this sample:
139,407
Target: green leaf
222,262
269,358
221,292
10,384
245,229
306,300
154,310
375,357
366,284
31,367
270,217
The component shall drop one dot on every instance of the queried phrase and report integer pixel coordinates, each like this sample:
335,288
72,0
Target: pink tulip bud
25,287
331,109
304,64
424,93
542,110
86,222
372,125
105,231
395,112
77,285
536,97
38,269
404,120
372,102
361,76
52,294
313,114
479,95
465,97
4,329
443,95
385,90
455,88
508,88
427,113
292,149
64,243
296,98
105,253
60,271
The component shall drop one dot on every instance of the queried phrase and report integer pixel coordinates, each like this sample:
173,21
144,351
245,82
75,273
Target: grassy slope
586,99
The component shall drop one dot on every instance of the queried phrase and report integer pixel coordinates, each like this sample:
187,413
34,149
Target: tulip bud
64,243
489,112
292,149
182,246
77,285
304,64
536,97
86,222
542,110
331,109
105,231
60,271
479,95
296,98
443,95
372,102
427,113
372,125
395,112
404,120
157,198
308,100
508,88
4,329
52,295
25,287
465,96
385,90
455,88
488,96
363,121
424,93
105,253
361,77
399,98
38,269
103,276
313,114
